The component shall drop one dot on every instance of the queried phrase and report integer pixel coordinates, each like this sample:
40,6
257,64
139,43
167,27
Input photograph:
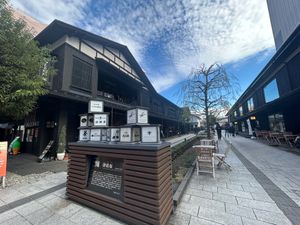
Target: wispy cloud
189,32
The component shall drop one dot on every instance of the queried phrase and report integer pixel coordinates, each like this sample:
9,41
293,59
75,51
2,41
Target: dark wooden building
272,101
92,67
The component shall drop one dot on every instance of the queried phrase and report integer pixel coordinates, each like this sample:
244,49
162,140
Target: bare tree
209,90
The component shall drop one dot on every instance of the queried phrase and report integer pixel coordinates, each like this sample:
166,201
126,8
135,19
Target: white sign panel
114,134
95,135
125,134
83,121
150,134
95,106
90,121
84,135
131,116
142,116
100,120
136,134
103,134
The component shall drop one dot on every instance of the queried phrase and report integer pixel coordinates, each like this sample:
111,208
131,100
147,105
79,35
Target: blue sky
169,38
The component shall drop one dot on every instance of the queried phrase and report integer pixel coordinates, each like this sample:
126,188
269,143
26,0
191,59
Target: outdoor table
213,147
290,138
131,182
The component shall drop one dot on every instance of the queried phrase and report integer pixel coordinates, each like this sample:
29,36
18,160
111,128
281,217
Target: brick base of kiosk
131,182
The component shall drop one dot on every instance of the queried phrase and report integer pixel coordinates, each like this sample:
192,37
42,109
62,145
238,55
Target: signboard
106,176
131,116
249,127
100,119
150,134
137,116
95,135
84,135
83,121
125,135
142,116
95,106
3,158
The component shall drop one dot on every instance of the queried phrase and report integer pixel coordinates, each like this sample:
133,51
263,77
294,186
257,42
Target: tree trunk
206,106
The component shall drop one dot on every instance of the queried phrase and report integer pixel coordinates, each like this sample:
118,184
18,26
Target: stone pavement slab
237,198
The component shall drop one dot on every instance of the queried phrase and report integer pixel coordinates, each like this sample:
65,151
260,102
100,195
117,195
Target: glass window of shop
250,105
271,91
276,123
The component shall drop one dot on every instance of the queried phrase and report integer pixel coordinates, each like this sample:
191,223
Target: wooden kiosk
128,181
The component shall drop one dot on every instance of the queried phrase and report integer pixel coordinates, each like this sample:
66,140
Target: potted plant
61,143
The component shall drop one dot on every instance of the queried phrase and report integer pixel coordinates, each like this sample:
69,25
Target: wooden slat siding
147,184
123,151
108,211
77,159
147,169
151,164
76,171
77,176
116,205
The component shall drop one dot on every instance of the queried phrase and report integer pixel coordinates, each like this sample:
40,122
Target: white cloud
190,32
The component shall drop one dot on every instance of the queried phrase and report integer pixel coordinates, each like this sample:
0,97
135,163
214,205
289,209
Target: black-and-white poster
106,176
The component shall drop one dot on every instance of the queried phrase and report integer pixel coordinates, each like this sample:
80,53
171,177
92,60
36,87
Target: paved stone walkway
232,198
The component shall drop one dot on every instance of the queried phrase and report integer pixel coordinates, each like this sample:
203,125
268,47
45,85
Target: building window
250,105
241,110
82,74
271,91
235,113
276,122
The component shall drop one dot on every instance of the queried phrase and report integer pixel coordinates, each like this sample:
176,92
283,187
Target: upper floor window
250,105
82,74
271,91
241,110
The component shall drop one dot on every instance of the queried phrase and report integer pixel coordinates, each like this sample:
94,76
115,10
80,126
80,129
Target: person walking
219,130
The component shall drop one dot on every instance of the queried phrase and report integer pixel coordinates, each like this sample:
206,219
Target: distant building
285,17
272,101
195,120
33,25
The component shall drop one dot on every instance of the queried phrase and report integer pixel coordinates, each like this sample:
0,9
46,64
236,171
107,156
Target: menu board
106,176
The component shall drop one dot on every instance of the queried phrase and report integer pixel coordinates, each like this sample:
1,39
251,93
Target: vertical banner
3,158
249,127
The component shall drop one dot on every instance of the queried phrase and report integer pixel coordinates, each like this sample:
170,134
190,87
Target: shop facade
272,102
91,67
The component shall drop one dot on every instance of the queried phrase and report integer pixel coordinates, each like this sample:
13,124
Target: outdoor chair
222,158
205,160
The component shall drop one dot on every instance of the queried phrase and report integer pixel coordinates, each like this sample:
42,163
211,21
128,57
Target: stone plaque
106,176
95,106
